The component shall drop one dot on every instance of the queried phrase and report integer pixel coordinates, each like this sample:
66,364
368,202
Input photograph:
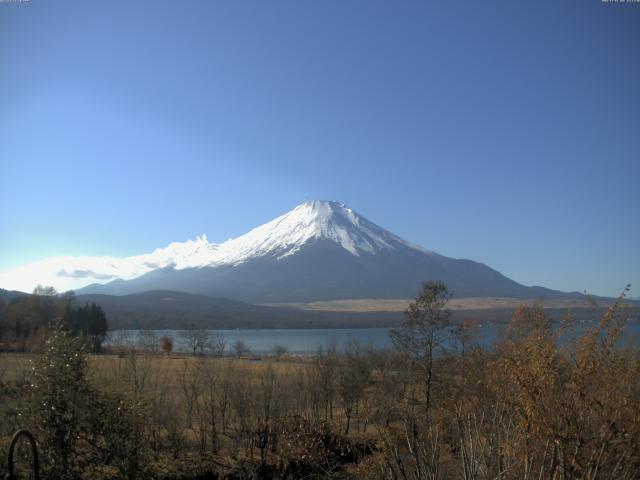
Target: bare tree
241,403
208,405
465,334
264,409
189,381
241,348
218,344
136,368
198,341
120,340
323,377
421,332
279,351
157,393
353,377
148,341
224,394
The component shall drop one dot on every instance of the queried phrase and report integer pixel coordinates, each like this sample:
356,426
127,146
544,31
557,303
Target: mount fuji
320,250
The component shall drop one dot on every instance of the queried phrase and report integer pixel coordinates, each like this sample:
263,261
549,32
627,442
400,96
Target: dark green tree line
25,322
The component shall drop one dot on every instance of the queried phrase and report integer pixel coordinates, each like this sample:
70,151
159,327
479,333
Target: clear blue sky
502,131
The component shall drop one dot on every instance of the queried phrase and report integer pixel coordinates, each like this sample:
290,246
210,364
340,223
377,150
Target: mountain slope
318,251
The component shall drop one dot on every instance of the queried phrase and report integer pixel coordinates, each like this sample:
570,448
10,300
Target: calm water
304,342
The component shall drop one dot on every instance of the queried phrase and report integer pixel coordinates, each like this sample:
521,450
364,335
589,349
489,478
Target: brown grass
399,305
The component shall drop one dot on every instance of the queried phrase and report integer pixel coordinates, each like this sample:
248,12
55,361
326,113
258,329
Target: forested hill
8,295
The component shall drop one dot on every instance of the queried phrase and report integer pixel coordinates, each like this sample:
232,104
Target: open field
399,305
13,366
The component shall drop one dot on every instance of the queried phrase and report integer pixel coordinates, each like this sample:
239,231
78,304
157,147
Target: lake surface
307,341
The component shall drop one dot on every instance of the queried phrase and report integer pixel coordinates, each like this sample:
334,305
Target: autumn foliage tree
166,344
573,396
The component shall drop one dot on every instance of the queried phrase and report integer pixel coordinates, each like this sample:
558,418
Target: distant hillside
8,295
175,310
163,309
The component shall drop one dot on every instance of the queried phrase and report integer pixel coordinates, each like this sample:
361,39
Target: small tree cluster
25,321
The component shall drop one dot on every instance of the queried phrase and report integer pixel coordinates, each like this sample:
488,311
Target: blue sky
505,132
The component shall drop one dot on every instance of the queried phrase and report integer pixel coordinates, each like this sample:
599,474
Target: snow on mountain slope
281,237
68,273
286,234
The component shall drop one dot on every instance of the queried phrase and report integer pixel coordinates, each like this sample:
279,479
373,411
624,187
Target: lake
307,341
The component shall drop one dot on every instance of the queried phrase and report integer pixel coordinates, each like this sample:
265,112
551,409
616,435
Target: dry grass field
399,305
566,410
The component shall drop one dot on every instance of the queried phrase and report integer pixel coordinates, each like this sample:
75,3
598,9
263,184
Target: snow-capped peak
278,238
315,219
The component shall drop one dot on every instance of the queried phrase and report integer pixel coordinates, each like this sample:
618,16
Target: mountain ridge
319,250
323,250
